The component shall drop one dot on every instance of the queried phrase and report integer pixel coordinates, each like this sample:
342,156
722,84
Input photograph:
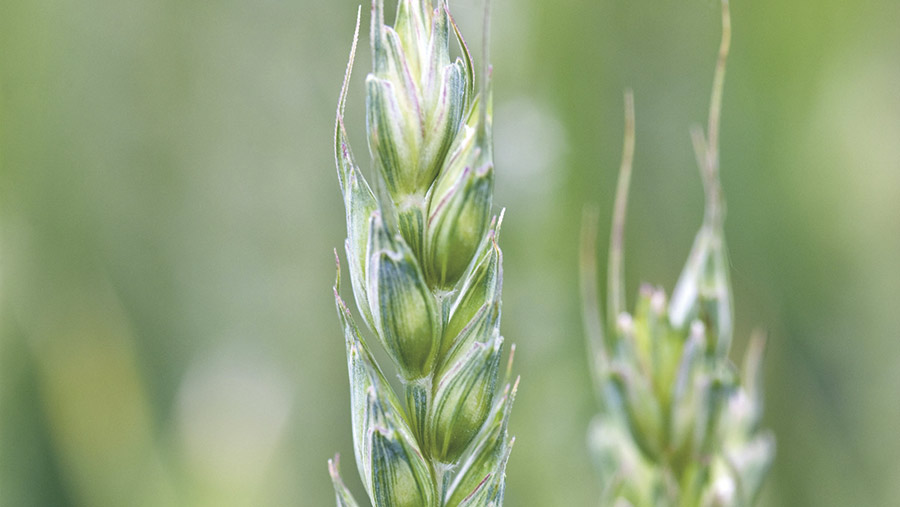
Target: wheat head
679,425
426,271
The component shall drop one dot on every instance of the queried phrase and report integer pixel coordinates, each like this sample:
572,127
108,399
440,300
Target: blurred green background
168,207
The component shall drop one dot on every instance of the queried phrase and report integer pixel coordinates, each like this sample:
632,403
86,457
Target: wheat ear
679,424
426,271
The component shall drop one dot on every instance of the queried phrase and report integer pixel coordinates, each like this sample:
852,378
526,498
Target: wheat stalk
679,424
426,271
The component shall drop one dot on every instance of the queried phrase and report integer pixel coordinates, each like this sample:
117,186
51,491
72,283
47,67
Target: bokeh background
169,205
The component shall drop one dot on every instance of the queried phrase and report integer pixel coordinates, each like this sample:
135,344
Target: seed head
426,271
679,424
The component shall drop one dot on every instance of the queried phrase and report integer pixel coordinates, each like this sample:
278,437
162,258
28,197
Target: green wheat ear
426,271
679,425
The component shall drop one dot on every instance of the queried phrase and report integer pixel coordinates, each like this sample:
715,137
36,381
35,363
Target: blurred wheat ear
426,271
679,424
